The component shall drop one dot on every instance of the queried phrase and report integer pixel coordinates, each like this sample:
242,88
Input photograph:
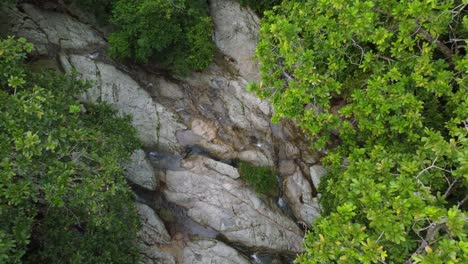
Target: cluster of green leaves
261,178
63,194
177,33
260,6
100,8
7,2
383,87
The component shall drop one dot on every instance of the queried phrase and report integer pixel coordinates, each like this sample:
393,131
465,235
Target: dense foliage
2,2
260,6
260,178
177,33
102,9
63,195
382,86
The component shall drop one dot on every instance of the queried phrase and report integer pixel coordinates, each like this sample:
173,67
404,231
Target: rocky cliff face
193,130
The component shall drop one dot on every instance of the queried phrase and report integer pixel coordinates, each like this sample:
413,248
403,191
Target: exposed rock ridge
197,127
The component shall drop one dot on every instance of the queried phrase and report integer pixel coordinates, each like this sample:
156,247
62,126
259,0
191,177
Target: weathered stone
238,88
165,160
140,172
187,137
212,167
255,157
156,125
205,129
218,149
153,255
236,35
15,22
287,167
62,30
212,251
316,173
290,150
244,109
153,230
169,89
217,200
299,194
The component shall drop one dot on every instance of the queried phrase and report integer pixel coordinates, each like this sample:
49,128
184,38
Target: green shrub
178,34
102,9
260,6
383,87
260,178
63,194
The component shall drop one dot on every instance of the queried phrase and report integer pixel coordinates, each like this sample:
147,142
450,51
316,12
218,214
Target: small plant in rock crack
261,178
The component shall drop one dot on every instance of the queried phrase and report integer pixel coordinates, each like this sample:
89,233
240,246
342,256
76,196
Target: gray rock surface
153,230
236,35
63,30
153,255
299,194
255,157
217,200
50,31
316,173
140,172
156,125
211,251
204,129
14,22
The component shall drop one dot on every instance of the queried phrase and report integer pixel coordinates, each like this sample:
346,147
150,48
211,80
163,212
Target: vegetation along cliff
233,131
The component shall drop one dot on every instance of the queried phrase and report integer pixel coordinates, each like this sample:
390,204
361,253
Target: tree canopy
176,34
63,194
260,6
381,87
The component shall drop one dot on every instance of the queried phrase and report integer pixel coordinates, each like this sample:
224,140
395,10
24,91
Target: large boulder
216,199
140,172
153,230
211,251
154,255
256,157
316,173
14,22
156,125
236,35
50,31
299,194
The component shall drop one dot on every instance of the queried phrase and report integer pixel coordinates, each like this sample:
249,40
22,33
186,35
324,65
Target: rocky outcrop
153,230
214,198
211,251
236,35
299,194
193,129
235,123
316,173
153,255
140,172
50,31
153,235
156,125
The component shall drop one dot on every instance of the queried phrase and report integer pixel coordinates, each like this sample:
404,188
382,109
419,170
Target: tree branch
440,45
462,201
